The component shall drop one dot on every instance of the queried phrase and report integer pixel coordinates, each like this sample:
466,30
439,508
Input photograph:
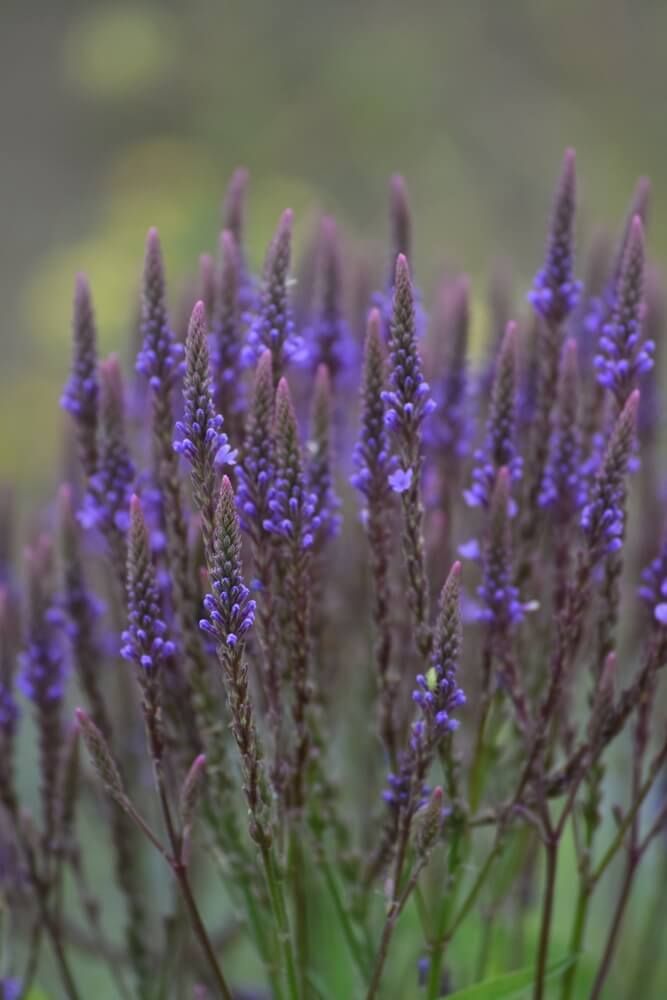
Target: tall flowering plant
373,764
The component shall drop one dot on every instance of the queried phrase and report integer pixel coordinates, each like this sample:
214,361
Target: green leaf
511,985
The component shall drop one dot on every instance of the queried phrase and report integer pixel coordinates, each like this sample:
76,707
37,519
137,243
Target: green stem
551,846
576,939
279,911
343,916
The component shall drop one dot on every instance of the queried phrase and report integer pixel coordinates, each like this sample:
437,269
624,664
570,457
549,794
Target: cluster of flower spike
531,450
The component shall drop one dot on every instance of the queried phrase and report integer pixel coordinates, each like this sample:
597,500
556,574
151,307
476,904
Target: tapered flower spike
373,462
408,402
101,757
500,598
82,611
319,471
233,221
230,616
9,712
227,329
448,432
372,458
274,327
401,221
234,205
640,204
292,504
500,447
555,290
429,823
623,357
145,640
106,502
255,470
437,696
603,517
81,393
202,441
43,675
329,337
653,587
160,356
563,485
230,610
206,284
437,693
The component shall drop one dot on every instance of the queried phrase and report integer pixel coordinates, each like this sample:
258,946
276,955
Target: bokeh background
116,115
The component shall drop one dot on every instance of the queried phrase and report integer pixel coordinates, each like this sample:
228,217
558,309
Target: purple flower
255,470
329,337
499,449
106,502
372,460
448,432
555,291
500,598
233,222
9,711
653,588
230,611
603,517
292,505
80,396
160,357
563,483
623,356
273,327
407,401
227,328
318,469
203,441
145,640
401,480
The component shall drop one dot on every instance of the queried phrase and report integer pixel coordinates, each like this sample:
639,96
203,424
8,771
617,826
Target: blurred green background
118,115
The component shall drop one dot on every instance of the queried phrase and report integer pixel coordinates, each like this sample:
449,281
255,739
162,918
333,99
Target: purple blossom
106,501
202,437
227,328
372,460
233,222
500,598
563,484
160,357
653,588
318,470
43,670
292,505
555,291
448,432
273,327
600,307
603,517
80,396
499,450
401,480
145,640
329,337
230,611
407,401
255,470
623,357
9,712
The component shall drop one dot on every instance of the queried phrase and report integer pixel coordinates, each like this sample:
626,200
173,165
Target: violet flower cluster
371,749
